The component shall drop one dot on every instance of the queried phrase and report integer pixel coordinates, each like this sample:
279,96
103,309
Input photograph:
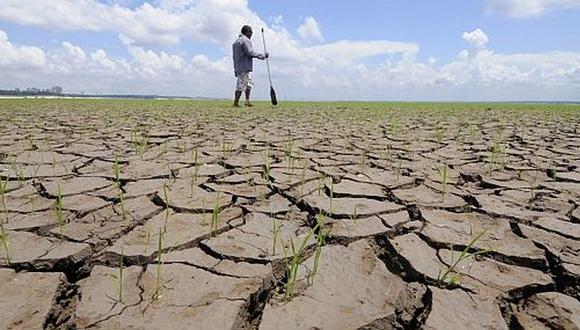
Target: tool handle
267,62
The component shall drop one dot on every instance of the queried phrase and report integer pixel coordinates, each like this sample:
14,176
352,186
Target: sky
445,50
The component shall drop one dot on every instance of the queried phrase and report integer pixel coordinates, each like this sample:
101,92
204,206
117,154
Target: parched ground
194,215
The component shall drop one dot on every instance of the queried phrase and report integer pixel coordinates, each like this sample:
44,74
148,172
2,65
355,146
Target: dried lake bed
119,214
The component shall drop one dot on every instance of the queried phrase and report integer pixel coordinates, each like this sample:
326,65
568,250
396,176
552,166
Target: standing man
244,64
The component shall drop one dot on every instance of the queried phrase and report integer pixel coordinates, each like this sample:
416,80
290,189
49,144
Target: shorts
244,82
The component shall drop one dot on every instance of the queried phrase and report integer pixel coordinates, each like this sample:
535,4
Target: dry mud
136,215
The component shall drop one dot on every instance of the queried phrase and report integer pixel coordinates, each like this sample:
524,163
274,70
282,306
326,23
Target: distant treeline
29,93
106,96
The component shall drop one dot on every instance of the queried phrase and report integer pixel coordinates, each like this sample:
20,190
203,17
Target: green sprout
142,145
288,146
226,147
354,216
4,241
215,216
303,176
19,172
294,263
439,134
320,240
158,284
119,278
447,277
276,232
117,173
321,177
3,188
399,167
552,171
194,171
59,213
166,196
267,165
443,173
497,157
331,194
147,238
363,155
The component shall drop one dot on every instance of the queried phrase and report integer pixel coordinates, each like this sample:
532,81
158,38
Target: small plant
142,145
395,126
59,214
192,181
147,238
439,134
303,176
331,195
552,172
133,140
320,240
3,188
19,172
288,146
226,147
267,165
166,197
363,155
321,177
117,173
399,167
4,241
294,264
388,152
194,171
275,232
497,157
119,278
354,216
448,277
215,216
158,282
443,173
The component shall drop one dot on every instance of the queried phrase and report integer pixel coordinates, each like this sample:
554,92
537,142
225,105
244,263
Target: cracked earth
179,215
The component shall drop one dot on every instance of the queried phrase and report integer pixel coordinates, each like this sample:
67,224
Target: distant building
57,90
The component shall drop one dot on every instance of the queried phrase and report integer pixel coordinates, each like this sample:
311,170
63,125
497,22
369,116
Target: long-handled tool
272,91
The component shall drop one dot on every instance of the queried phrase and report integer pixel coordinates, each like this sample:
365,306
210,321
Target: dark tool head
273,96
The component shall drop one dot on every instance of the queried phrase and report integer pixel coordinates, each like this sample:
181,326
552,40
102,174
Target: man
244,55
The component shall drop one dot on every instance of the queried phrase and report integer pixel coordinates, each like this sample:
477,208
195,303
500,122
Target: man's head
247,31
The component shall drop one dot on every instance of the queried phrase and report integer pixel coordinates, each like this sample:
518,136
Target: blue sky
489,50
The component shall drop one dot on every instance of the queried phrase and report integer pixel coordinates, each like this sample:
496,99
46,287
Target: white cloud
101,58
202,62
337,70
476,38
165,24
310,31
15,57
529,8
347,51
277,20
73,53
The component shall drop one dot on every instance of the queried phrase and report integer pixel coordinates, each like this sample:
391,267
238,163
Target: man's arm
250,52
